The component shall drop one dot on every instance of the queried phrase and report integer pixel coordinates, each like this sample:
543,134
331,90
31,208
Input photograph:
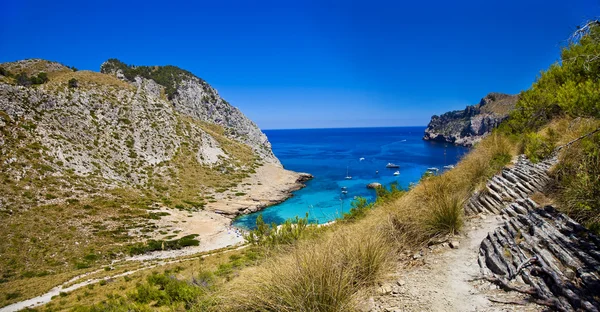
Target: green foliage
73,83
153,245
24,80
5,72
578,175
168,76
537,147
359,207
383,194
271,234
166,290
571,88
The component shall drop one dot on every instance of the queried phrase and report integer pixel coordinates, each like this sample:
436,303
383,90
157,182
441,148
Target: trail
47,297
446,279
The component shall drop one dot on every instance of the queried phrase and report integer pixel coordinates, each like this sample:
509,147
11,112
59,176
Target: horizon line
324,128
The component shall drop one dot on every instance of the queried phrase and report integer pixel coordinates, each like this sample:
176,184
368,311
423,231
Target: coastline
269,185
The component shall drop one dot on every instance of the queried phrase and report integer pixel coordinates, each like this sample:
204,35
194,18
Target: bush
571,87
446,215
154,245
166,290
271,234
24,80
168,76
358,209
578,178
537,147
5,72
73,83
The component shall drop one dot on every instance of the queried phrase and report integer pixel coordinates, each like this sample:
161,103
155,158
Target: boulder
373,185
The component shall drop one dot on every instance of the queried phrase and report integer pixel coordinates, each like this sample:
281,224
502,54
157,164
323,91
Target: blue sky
306,64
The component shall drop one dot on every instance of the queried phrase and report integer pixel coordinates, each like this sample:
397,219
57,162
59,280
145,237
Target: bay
362,153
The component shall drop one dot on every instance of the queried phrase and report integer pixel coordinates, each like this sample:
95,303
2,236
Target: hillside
512,227
94,165
468,126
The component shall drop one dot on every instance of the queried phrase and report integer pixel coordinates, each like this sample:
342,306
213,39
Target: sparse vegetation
168,76
73,83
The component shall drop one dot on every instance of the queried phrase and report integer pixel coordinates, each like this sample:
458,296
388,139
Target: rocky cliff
194,97
100,166
85,131
468,126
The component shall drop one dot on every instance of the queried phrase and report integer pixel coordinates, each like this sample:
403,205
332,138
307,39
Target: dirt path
69,286
445,279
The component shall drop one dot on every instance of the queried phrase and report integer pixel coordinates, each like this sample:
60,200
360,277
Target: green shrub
359,207
537,147
578,177
168,76
73,83
154,245
271,234
12,295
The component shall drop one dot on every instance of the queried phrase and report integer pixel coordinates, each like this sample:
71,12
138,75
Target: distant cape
467,127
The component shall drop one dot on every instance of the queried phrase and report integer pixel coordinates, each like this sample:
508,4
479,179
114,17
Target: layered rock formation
469,126
537,251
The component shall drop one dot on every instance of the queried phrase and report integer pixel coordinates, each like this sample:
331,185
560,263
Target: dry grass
333,272
337,269
86,79
326,274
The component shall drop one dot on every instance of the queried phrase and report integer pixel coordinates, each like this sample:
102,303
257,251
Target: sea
331,155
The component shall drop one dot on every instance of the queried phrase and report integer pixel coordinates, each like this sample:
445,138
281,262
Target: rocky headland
127,154
467,127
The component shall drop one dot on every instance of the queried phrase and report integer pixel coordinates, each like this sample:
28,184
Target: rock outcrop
107,132
194,97
467,127
537,251
374,185
513,183
544,253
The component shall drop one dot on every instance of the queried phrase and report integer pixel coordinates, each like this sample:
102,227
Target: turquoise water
329,153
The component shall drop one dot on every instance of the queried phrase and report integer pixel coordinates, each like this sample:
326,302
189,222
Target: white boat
391,165
397,173
361,159
344,190
348,177
432,169
449,167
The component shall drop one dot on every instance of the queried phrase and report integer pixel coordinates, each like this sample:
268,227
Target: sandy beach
271,184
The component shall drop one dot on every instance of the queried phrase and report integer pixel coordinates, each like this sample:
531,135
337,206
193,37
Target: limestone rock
385,289
467,127
374,185
454,244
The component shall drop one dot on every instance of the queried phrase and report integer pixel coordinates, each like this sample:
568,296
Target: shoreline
270,185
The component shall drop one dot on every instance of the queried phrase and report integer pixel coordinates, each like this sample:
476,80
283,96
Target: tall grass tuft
446,215
317,275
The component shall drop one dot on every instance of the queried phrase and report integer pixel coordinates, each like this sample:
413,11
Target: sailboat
348,177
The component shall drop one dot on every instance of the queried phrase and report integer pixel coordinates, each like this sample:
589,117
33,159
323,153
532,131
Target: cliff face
468,126
104,132
194,97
